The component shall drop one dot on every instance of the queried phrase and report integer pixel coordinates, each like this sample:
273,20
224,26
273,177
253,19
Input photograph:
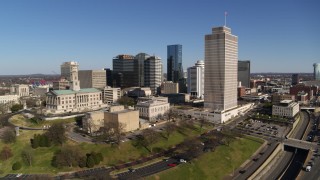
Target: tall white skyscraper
221,69
69,70
153,73
195,80
316,71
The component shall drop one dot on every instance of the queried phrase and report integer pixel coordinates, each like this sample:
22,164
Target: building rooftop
286,101
122,111
66,92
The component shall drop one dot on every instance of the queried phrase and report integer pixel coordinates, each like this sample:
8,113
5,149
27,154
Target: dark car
131,170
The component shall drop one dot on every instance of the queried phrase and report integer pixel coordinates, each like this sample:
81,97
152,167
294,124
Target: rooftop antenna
225,18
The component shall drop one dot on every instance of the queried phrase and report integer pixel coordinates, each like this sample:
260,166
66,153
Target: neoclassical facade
61,101
151,108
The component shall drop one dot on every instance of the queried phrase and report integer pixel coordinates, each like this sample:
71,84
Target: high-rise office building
124,72
316,71
295,79
196,80
221,69
153,73
139,67
174,63
141,70
244,73
69,71
109,77
92,79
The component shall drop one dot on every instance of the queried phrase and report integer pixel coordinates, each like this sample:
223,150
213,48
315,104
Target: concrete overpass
299,144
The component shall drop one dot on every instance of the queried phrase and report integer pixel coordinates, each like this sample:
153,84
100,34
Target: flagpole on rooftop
225,18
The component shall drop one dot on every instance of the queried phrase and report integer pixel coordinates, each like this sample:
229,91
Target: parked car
183,161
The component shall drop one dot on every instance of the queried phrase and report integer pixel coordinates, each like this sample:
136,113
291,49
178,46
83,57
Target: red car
172,165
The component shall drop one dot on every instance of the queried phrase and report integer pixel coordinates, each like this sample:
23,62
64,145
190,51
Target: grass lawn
20,120
112,154
214,165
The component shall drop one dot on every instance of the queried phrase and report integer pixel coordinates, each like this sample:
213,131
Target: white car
183,161
308,168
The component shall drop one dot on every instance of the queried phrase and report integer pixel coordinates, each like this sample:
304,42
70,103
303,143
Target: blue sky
36,36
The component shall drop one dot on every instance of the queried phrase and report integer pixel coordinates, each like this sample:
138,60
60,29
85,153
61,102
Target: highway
282,166
147,170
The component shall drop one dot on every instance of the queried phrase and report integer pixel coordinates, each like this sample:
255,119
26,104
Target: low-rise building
9,99
254,97
169,87
277,98
128,118
136,92
302,97
286,108
179,98
62,84
152,108
93,121
20,89
61,101
111,95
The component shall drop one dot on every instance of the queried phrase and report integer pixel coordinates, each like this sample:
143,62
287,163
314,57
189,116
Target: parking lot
263,129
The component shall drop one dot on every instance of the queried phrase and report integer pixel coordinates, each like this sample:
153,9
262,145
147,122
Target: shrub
90,161
83,162
16,166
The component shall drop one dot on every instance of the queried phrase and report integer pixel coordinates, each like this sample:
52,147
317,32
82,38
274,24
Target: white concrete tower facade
69,70
221,68
195,80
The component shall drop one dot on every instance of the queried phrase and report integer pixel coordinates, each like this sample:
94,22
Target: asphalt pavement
147,170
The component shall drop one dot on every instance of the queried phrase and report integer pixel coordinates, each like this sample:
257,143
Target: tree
9,136
56,134
114,131
67,156
90,161
118,130
169,128
16,108
171,115
31,102
192,148
83,161
5,153
150,136
27,156
16,166
40,140
126,101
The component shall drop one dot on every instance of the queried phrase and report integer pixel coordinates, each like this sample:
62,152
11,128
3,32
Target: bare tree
5,153
118,130
169,128
9,136
27,156
67,156
151,136
114,131
171,114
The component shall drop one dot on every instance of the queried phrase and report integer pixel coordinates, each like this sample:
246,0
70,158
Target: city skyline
36,36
